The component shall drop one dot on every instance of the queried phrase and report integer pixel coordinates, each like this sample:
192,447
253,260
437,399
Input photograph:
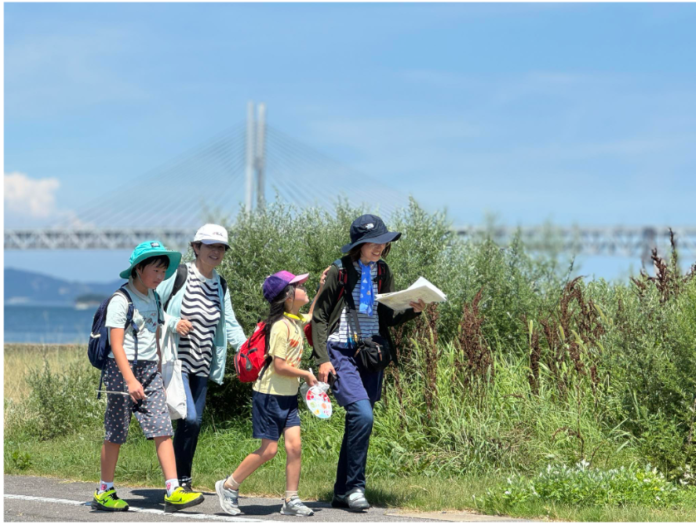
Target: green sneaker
182,499
108,501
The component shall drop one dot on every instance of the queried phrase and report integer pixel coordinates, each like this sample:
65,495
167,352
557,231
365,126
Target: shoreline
7,344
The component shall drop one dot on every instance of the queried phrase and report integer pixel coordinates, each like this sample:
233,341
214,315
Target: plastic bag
171,376
317,399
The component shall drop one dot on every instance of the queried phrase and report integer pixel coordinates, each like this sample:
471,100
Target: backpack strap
356,334
342,278
223,283
129,320
179,281
158,301
381,272
268,361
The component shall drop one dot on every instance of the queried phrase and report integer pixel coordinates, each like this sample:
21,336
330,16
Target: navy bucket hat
369,228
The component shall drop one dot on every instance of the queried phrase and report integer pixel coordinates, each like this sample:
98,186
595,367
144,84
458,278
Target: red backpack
250,361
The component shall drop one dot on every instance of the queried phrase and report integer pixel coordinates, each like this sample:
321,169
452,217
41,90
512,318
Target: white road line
204,517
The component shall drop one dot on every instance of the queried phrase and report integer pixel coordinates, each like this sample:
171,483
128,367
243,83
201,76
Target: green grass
402,475
77,458
523,367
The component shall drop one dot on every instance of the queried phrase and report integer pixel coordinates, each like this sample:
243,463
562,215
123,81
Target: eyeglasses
300,286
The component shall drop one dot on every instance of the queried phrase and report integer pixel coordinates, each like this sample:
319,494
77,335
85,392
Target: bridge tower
255,156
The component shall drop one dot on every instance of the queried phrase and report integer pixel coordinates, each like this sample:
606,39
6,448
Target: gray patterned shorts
151,412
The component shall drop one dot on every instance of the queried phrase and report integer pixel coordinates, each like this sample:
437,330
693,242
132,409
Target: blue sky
577,113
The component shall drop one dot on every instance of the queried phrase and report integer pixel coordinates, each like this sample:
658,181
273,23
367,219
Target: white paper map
421,289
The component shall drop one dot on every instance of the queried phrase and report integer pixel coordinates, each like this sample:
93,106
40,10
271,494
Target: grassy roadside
77,458
21,358
223,445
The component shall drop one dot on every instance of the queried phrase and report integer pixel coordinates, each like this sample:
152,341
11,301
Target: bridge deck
620,241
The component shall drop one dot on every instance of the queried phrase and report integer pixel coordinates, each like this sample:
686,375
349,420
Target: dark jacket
327,310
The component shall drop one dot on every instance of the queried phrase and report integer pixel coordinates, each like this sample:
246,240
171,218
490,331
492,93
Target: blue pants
352,461
352,382
187,430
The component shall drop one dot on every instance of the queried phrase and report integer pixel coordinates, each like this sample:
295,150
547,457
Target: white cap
212,234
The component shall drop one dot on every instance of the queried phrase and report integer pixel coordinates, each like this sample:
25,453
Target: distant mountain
31,288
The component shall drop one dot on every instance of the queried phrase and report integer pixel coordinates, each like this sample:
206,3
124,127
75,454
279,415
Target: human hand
419,306
323,276
310,379
135,390
324,370
183,327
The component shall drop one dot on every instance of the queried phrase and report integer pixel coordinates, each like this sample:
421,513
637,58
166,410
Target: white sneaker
229,499
295,507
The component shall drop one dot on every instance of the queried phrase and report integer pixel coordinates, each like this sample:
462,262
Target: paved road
50,499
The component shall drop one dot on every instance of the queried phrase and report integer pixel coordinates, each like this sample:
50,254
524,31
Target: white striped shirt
369,325
201,306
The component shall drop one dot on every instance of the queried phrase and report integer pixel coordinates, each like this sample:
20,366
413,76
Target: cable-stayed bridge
238,168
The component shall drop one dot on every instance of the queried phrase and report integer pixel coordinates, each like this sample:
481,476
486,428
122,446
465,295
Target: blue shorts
271,414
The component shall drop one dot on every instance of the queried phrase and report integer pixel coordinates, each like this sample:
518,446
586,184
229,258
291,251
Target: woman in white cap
200,317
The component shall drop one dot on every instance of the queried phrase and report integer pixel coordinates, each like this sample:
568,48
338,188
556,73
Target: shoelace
296,502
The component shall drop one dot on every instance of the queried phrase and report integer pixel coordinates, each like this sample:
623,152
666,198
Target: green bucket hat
148,249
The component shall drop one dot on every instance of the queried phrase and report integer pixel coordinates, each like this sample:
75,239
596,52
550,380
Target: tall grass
524,365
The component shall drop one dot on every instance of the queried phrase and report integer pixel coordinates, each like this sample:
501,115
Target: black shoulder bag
372,353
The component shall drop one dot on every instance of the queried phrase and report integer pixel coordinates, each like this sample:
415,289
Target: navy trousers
187,430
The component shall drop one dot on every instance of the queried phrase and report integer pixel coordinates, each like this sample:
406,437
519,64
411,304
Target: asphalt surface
35,499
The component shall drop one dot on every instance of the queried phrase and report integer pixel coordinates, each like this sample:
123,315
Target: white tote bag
171,374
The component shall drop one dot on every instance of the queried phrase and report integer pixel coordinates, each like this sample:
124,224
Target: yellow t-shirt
286,342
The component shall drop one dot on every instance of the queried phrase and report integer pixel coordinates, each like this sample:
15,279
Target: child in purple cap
274,402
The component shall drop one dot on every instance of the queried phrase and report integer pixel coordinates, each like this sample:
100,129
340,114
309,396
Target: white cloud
33,198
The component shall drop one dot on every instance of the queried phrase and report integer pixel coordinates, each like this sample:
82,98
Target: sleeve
278,344
116,312
235,333
164,290
322,313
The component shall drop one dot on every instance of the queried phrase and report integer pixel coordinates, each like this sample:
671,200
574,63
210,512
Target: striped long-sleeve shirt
200,306
369,325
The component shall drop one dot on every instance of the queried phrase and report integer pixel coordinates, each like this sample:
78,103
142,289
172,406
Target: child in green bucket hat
133,379
148,249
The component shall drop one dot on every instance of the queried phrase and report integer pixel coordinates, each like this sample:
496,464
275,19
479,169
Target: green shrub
20,460
581,485
63,403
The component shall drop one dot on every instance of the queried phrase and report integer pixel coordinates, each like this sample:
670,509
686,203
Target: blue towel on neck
367,298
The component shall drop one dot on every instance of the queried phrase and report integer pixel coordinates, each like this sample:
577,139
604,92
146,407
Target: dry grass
20,358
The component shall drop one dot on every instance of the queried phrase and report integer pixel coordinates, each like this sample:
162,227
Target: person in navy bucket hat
369,228
345,313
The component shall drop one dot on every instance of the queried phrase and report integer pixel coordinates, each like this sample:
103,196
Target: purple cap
276,283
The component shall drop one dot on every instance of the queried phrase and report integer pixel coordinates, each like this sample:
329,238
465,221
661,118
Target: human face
371,252
152,275
300,297
211,254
